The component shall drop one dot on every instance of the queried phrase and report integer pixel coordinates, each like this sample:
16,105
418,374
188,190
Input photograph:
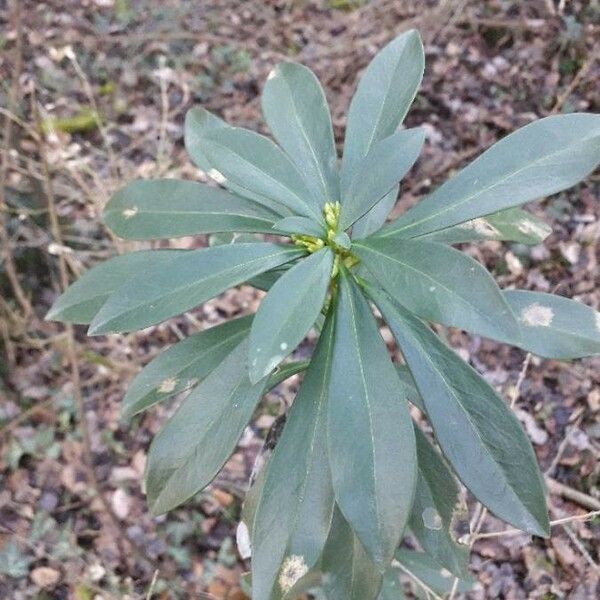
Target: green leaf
342,240
440,284
84,298
555,327
165,208
184,456
372,221
427,570
540,159
370,434
436,499
476,430
296,111
391,588
285,371
382,99
183,365
348,572
288,311
253,162
295,509
375,175
265,281
198,122
409,387
510,225
165,289
302,225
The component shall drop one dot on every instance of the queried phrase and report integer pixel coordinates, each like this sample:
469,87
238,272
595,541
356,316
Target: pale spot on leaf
598,321
217,176
530,228
242,539
130,212
292,570
431,518
480,226
168,385
536,315
283,346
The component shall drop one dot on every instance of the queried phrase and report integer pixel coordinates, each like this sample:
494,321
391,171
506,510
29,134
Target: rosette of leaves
351,473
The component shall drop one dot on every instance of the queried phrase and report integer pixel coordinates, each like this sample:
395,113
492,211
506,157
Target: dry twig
5,242
72,355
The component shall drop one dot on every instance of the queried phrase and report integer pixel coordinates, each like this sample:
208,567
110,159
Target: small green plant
351,472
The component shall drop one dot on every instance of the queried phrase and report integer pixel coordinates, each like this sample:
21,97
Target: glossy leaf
85,297
409,387
370,434
427,570
294,513
348,572
265,281
183,365
379,172
382,99
510,225
163,290
296,111
440,284
253,162
302,225
285,371
288,311
391,587
373,220
436,499
476,430
542,158
183,457
555,327
198,122
165,208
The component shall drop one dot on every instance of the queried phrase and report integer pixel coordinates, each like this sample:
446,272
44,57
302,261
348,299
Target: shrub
351,471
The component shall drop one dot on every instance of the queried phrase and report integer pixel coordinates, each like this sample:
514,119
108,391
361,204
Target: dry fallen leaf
45,577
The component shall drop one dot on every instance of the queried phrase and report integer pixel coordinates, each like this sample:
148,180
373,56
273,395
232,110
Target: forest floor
93,94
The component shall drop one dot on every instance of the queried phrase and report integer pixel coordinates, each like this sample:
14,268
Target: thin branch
583,71
586,517
477,522
72,353
577,542
23,416
560,489
9,264
418,581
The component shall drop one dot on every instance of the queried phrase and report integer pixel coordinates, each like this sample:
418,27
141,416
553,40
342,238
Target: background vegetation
93,94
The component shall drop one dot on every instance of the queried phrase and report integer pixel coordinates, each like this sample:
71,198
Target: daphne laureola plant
352,473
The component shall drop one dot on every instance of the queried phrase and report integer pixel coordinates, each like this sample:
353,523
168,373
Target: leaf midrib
351,291
196,358
467,416
195,283
272,179
466,199
449,290
316,161
199,213
298,299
